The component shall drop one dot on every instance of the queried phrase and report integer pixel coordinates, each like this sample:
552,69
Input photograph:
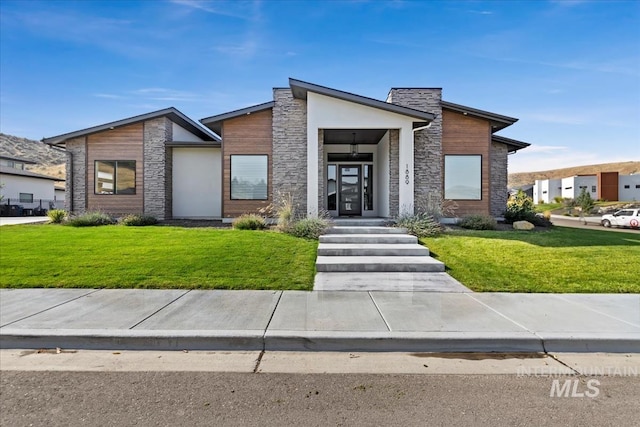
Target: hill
50,161
524,178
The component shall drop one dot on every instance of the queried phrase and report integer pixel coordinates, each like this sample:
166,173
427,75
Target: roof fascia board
237,113
512,143
18,159
300,89
499,120
28,174
175,115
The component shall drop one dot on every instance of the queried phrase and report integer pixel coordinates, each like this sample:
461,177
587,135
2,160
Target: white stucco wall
546,190
13,185
324,112
571,186
180,134
628,194
197,183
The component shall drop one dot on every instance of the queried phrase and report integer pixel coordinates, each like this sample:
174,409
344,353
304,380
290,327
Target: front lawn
153,257
557,260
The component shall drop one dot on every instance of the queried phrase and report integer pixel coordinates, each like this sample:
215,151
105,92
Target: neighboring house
331,150
546,190
23,191
602,186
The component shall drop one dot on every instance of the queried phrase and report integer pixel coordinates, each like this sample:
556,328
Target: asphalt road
195,398
591,225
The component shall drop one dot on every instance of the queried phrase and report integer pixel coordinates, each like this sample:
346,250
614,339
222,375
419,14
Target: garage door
197,188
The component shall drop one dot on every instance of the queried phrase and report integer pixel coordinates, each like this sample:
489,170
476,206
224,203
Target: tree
586,203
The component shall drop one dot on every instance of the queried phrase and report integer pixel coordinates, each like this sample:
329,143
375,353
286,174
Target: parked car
623,218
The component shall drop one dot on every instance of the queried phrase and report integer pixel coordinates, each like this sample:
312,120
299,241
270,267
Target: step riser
363,238
365,230
380,268
361,222
420,251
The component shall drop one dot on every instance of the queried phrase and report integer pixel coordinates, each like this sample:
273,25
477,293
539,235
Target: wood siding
119,144
251,134
468,135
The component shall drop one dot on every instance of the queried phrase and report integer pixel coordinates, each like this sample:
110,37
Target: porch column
406,176
312,169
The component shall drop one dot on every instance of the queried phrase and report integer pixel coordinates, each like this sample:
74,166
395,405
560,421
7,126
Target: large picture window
463,177
115,177
249,176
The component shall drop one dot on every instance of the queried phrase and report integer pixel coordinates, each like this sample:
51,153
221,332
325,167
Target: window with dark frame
26,198
463,177
249,176
115,177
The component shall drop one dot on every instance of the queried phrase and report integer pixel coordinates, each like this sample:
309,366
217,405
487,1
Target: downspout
70,178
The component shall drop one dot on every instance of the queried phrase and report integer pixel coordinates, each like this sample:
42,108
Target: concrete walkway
326,321
11,220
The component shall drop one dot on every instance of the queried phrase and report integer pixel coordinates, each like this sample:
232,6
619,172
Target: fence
38,207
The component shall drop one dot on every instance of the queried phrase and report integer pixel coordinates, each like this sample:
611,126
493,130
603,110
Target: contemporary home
333,151
25,192
609,186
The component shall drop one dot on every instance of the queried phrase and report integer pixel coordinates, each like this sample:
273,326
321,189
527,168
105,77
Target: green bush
308,228
249,222
91,219
420,224
519,208
56,216
478,222
137,220
558,199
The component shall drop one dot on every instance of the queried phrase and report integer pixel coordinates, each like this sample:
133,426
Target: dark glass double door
350,190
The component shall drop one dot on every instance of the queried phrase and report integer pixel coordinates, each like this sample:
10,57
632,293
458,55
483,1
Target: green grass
153,257
542,207
558,260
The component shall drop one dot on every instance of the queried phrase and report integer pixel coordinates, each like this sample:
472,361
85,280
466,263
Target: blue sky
569,70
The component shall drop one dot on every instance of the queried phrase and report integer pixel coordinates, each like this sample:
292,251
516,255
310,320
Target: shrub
308,228
547,215
585,202
558,199
91,219
249,222
56,216
139,220
519,208
420,224
478,222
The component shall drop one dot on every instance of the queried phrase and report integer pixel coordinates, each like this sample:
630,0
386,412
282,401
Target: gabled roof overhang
300,90
513,145
215,122
498,121
172,113
21,172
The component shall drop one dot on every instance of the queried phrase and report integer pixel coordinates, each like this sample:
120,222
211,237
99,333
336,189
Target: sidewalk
138,319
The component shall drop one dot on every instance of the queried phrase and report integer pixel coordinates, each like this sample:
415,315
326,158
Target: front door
350,194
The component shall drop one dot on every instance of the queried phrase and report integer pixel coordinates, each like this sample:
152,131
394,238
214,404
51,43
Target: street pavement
592,223
140,319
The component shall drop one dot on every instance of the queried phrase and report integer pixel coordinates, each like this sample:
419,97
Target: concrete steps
371,249
347,251
370,264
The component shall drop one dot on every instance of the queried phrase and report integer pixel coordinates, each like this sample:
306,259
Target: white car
623,218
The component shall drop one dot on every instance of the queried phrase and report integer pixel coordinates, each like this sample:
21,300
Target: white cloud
235,9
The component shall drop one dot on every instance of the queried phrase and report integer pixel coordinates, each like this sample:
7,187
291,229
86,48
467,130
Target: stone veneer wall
394,172
321,173
499,164
428,160
157,172
290,147
76,180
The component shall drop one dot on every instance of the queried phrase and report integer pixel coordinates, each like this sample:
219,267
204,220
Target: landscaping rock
523,225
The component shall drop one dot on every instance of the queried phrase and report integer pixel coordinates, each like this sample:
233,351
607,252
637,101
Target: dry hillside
524,178
50,161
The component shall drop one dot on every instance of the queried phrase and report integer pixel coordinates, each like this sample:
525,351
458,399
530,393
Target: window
26,198
332,185
115,177
249,175
544,192
568,188
367,186
637,185
626,186
593,188
463,177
